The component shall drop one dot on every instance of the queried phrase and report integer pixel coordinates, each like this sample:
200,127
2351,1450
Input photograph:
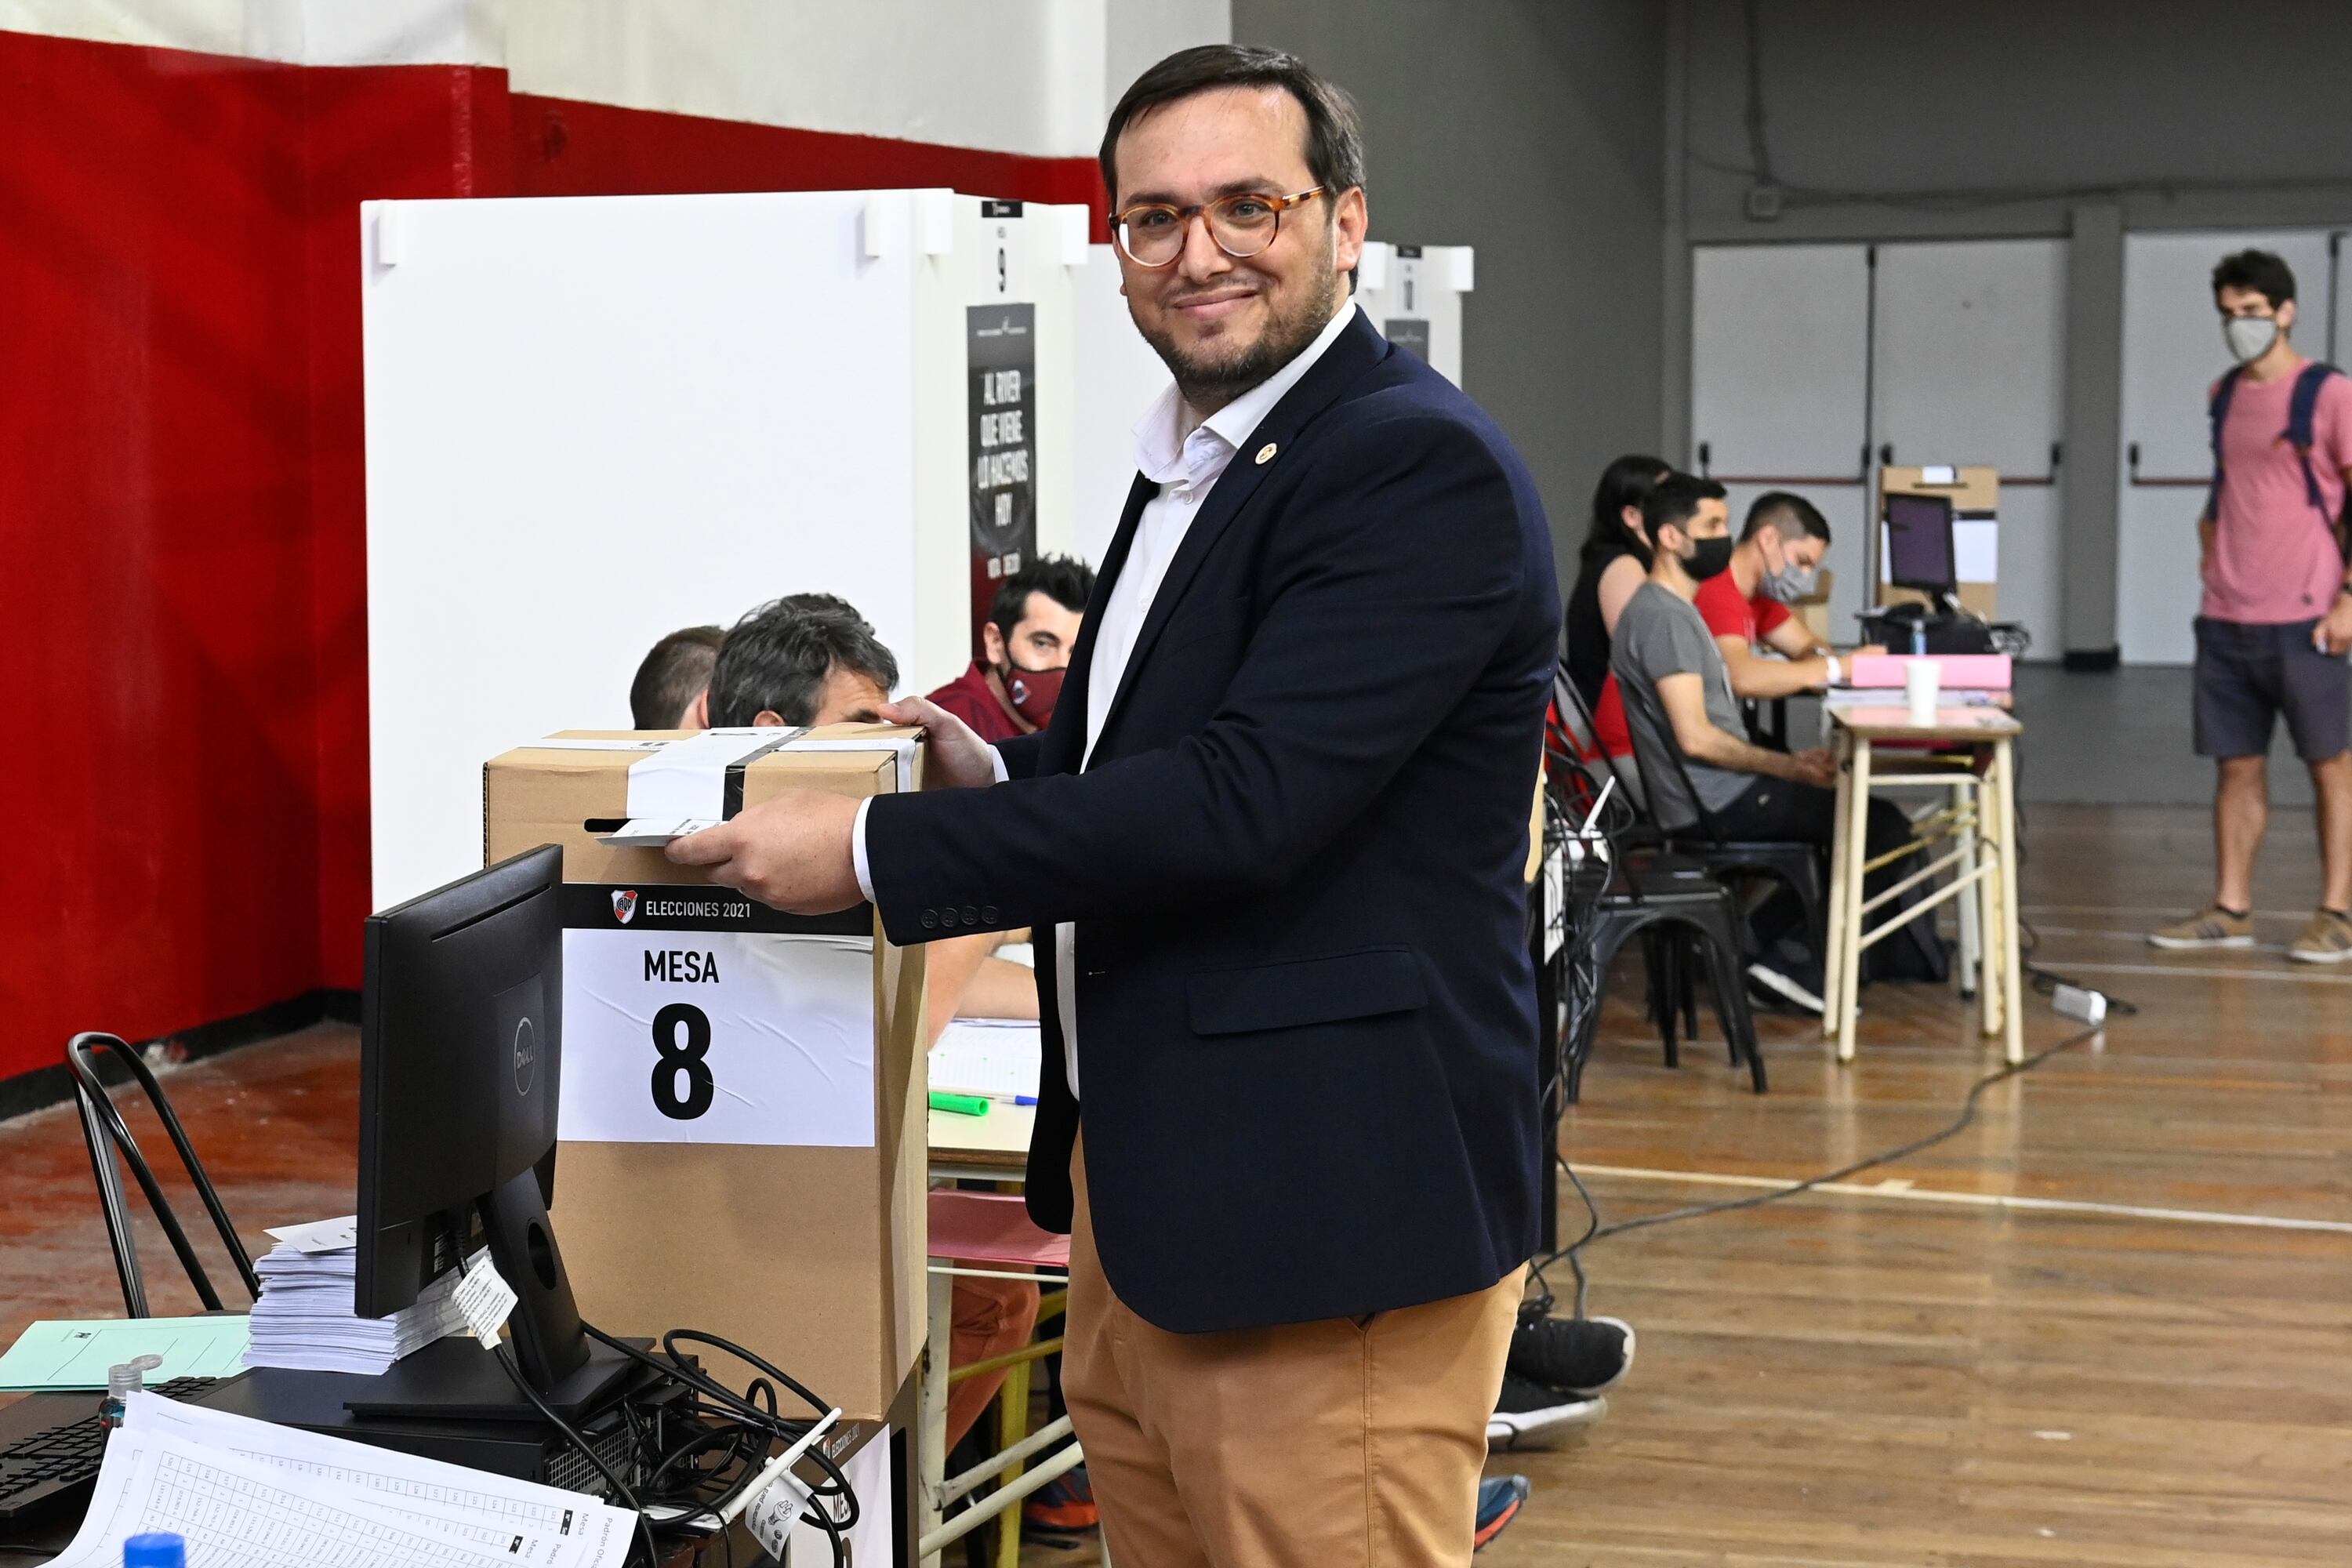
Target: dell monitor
461,1033
1919,545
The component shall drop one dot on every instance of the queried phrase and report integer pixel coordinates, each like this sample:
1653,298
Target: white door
2172,353
1968,367
1780,372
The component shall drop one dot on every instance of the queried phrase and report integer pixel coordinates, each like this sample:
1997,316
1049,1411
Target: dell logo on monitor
526,1056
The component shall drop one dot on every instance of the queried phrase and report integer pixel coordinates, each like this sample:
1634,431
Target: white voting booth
1413,294
592,421
1118,376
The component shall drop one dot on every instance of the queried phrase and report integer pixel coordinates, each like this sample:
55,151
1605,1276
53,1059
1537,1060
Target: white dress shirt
1184,457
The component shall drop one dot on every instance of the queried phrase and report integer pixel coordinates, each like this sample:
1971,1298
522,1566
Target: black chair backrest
1574,717
1577,715
106,1134
1657,749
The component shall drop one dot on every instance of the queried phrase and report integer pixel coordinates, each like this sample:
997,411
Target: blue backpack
2301,406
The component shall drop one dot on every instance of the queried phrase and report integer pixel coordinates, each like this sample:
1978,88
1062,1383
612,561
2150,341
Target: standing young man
2276,620
1279,821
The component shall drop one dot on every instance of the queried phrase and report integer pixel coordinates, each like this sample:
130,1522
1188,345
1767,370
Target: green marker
962,1104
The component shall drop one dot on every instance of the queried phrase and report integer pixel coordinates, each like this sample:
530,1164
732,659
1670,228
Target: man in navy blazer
1278,826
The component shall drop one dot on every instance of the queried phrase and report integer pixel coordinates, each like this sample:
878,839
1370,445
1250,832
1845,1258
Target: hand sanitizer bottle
121,1382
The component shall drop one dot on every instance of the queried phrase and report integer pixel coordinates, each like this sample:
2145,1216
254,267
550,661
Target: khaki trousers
1323,1445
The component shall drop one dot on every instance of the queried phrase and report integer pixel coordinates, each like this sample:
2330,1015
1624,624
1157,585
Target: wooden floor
1830,1379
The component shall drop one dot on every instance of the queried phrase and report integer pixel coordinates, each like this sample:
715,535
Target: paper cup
1921,679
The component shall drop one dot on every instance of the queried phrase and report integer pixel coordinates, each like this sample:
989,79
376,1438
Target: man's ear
1352,219
697,712
767,719
2285,315
992,645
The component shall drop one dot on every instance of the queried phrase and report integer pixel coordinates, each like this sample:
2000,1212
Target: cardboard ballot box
742,1112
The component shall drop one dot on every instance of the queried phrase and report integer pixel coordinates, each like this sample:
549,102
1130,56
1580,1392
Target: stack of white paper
996,1057
246,1493
304,1320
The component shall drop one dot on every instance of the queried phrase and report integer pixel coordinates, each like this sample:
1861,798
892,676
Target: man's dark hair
776,660
1063,579
1675,500
678,668
2258,271
830,604
1335,133
1794,515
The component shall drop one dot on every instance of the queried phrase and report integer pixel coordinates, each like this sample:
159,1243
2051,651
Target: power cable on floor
1596,1231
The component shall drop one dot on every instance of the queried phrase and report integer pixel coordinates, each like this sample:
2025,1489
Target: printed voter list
690,1017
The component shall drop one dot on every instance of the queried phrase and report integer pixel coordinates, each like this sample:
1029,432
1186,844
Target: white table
1982,825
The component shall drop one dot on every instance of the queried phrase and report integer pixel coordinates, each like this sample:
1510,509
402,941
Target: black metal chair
1649,894
1661,959
1584,729
1794,864
106,1134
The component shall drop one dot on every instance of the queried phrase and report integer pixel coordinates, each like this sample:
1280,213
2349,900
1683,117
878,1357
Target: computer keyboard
60,1464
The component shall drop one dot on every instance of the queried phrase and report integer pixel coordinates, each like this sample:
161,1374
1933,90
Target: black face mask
1707,557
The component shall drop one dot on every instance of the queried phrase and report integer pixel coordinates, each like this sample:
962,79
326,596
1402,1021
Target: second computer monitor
1919,553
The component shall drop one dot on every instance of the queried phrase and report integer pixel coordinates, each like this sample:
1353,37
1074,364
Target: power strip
2078,1001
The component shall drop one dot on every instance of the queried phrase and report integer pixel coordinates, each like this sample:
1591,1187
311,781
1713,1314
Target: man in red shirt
2276,618
1025,650
1775,564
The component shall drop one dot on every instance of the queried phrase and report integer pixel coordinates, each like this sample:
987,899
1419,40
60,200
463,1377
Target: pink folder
1961,671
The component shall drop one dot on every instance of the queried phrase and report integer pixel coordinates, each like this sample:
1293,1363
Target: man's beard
1209,381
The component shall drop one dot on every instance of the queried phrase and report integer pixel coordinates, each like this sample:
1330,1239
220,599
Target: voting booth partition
592,421
1116,375
741,1117
1414,295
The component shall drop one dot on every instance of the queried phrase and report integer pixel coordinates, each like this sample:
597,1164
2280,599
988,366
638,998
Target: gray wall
1534,130
2000,116
1886,119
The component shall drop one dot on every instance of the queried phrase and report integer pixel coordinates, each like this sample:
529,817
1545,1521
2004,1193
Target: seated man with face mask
1025,650
1679,698
1776,563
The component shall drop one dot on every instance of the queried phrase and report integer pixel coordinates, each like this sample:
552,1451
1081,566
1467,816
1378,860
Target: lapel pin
1265,453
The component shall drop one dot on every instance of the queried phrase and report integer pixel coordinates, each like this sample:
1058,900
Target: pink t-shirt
2274,553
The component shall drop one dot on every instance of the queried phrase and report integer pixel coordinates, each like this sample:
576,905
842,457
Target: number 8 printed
686,1058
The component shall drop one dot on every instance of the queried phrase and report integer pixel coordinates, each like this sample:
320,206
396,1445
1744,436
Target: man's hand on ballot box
791,852
953,756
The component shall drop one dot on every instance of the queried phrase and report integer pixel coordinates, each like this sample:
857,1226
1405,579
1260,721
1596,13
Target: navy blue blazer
1307,1013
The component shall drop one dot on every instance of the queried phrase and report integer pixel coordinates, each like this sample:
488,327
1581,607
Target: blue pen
1025,1099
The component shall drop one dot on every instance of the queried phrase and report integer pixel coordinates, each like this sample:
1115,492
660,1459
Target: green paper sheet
55,1354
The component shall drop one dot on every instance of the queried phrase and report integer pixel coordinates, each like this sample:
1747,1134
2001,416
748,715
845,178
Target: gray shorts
2249,675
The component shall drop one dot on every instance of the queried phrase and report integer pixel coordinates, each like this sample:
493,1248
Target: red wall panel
183,526
568,149
154,546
